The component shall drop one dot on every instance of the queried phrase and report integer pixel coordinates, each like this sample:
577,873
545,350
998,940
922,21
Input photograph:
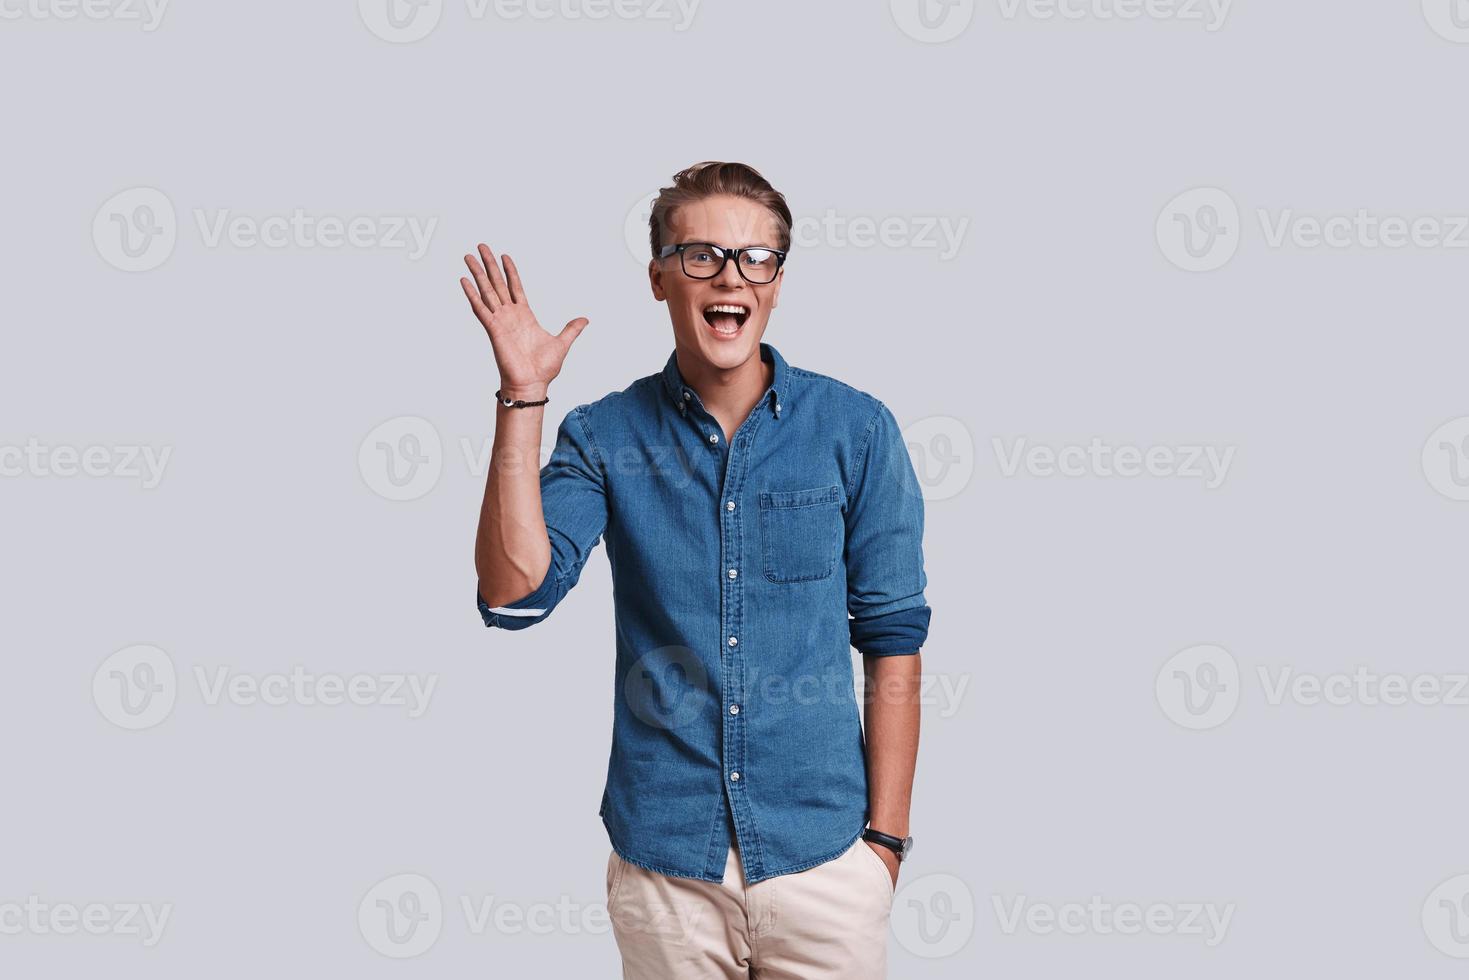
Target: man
760,521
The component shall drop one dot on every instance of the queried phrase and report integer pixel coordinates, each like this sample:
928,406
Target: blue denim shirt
742,575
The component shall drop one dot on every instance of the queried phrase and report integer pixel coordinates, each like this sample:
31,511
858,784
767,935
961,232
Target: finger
502,292
572,330
512,276
475,303
481,280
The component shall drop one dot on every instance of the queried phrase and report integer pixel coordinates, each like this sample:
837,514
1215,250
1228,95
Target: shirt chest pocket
801,533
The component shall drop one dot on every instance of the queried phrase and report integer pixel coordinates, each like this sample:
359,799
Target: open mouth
726,318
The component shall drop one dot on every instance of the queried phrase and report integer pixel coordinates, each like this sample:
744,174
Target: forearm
891,723
512,551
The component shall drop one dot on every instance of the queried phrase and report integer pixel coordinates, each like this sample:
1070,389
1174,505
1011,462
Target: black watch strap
898,845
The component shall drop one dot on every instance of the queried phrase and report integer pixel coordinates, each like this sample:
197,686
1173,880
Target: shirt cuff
892,634
522,612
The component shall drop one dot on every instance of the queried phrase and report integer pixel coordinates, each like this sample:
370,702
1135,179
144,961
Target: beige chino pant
829,921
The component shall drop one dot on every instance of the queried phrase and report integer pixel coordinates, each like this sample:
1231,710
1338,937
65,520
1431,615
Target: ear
655,279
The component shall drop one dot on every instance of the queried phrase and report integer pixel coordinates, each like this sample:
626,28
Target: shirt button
729,505
685,396
733,640
713,437
734,776
734,709
733,573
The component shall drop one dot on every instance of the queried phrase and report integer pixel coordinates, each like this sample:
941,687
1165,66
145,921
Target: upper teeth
725,308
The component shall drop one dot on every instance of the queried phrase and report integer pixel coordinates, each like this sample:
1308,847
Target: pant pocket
882,868
616,867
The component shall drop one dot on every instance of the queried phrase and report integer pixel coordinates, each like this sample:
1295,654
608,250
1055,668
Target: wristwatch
902,846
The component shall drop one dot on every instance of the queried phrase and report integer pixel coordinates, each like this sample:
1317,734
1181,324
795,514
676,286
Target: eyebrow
702,241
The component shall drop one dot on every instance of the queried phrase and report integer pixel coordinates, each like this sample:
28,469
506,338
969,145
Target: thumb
572,330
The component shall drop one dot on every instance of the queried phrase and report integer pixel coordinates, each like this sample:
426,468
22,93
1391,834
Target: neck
728,393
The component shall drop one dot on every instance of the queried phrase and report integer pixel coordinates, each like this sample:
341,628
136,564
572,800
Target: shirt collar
777,396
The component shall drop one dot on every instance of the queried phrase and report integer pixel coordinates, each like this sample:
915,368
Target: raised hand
529,357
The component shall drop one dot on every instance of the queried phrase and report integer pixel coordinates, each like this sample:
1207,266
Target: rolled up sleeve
889,614
574,501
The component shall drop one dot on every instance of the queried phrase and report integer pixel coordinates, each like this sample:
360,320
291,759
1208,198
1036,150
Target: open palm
529,357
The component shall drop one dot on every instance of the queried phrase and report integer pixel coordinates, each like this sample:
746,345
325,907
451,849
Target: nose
730,276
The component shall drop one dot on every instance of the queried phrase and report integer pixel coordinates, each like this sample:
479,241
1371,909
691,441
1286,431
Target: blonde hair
712,178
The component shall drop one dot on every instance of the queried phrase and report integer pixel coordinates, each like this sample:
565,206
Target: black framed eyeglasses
705,260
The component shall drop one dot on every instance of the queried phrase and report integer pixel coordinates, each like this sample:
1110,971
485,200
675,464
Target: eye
757,256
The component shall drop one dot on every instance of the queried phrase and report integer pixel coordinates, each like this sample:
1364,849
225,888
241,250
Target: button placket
735,453
732,675
730,454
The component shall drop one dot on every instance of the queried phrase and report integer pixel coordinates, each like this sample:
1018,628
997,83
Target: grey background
1057,775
